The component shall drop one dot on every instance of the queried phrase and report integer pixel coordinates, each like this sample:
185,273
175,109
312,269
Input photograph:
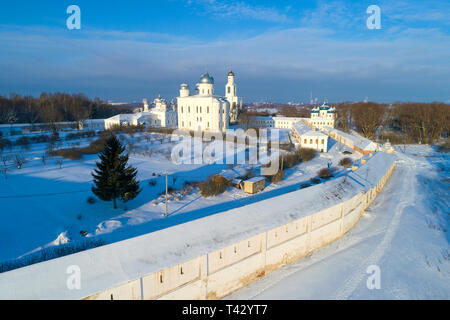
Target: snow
302,129
255,179
41,202
404,232
358,141
366,175
180,238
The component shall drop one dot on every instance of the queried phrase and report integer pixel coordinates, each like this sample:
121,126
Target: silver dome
206,78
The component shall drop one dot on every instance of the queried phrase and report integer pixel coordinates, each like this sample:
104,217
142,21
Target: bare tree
368,117
19,161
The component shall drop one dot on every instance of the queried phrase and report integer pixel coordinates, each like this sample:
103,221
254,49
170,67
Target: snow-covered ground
405,232
44,205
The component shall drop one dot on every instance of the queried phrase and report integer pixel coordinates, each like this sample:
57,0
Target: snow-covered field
405,233
44,205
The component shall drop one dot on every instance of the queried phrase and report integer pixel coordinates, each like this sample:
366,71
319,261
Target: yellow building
254,185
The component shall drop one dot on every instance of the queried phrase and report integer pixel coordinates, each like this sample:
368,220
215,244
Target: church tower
231,96
230,88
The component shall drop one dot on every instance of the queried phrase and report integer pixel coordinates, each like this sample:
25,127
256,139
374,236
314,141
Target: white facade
160,116
274,122
167,116
323,116
203,110
131,119
309,138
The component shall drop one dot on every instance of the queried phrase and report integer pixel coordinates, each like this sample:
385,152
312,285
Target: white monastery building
206,111
323,116
161,116
309,138
304,130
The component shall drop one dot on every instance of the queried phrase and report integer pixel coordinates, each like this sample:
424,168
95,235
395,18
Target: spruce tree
114,178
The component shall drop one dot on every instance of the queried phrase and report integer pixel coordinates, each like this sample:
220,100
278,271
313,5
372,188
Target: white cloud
240,10
403,62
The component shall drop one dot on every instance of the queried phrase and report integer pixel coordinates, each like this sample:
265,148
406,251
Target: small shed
236,183
254,185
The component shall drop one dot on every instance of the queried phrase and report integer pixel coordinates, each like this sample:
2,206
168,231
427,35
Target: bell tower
230,88
231,96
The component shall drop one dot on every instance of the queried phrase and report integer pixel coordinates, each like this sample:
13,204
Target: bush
306,154
445,147
165,131
70,154
346,162
91,200
23,142
40,139
314,180
324,173
51,253
96,146
80,135
5,143
19,161
214,186
277,177
290,160
152,182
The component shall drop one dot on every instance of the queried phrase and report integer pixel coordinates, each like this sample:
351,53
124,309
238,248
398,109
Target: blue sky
279,50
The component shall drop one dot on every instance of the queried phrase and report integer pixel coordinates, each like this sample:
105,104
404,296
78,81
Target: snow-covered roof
94,121
267,118
360,142
304,130
281,118
131,116
255,179
236,172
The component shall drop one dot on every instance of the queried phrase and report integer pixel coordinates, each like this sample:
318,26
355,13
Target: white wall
225,256
233,267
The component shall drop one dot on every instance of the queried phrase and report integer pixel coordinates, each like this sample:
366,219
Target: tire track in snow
360,274
307,261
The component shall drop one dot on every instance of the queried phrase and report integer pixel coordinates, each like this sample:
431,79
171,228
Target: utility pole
166,192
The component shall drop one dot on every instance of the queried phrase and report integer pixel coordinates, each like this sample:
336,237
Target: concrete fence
221,272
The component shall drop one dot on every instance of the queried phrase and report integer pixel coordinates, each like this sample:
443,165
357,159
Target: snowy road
404,233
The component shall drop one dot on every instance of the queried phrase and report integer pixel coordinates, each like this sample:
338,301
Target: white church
161,115
205,111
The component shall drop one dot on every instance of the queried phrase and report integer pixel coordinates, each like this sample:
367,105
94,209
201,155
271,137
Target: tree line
51,108
400,122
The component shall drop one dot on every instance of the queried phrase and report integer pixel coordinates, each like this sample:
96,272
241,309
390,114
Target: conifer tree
114,178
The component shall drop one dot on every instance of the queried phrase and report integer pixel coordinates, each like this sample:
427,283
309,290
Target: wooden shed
254,185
